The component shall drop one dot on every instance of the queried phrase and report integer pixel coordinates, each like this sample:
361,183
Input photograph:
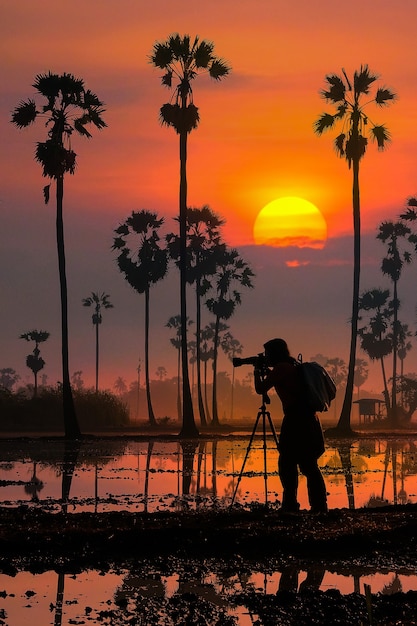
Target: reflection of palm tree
350,102
184,60
99,301
142,267
34,486
344,450
70,109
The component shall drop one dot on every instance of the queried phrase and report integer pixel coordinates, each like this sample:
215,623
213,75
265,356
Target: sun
290,221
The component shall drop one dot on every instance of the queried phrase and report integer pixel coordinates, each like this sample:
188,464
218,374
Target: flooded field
151,476
125,474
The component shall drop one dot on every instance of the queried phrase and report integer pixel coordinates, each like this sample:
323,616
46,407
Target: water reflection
101,475
216,592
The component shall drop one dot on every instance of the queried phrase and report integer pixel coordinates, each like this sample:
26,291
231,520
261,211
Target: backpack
320,386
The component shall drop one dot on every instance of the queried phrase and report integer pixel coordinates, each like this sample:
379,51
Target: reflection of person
301,439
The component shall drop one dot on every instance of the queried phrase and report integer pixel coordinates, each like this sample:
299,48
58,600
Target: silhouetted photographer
301,440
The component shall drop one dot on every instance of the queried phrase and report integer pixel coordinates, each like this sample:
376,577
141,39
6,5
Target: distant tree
184,60
206,355
8,378
232,272
337,369
99,301
143,266
69,109
34,361
391,234
203,241
77,380
361,373
320,359
404,346
161,372
375,337
350,100
120,385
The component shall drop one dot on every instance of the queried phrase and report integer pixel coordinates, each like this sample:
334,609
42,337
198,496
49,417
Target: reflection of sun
290,221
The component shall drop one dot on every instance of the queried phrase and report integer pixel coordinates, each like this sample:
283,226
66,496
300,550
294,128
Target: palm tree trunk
72,430
189,428
198,356
343,425
215,421
386,392
208,416
97,356
151,414
394,416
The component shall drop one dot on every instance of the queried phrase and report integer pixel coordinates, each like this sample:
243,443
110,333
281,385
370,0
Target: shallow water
164,475
124,474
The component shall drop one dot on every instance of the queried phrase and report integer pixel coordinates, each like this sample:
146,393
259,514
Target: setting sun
290,221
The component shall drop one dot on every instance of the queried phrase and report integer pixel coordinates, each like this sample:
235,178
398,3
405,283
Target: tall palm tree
143,264
375,338
350,100
99,301
68,110
34,361
203,241
232,271
390,233
182,61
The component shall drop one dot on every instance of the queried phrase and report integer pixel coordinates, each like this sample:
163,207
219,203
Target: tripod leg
265,468
246,457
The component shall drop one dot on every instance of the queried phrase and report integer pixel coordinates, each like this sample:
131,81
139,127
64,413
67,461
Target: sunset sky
255,143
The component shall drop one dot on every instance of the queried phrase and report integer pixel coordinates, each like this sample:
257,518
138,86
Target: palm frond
162,55
384,95
24,114
218,69
339,144
203,54
410,215
337,89
381,135
79,125
324,122
362,80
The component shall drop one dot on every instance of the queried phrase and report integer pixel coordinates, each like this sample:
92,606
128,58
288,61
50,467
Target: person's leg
316,487
288,473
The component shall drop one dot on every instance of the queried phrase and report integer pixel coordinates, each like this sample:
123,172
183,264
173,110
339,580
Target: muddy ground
234,542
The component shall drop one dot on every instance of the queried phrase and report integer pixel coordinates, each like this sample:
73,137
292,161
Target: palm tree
392,264
350,102
34,361
231,270
375,339
99,301
203,241
69,109
142,267
182,61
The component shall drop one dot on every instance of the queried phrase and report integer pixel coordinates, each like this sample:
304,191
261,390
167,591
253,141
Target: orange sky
255,141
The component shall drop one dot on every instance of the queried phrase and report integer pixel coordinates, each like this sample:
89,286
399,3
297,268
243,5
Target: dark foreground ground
232,542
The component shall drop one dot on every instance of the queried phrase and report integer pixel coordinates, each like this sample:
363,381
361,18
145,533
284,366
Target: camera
258,361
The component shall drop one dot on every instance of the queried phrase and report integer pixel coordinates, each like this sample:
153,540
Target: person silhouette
301,441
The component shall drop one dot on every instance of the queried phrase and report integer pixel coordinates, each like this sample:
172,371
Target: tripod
265,416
